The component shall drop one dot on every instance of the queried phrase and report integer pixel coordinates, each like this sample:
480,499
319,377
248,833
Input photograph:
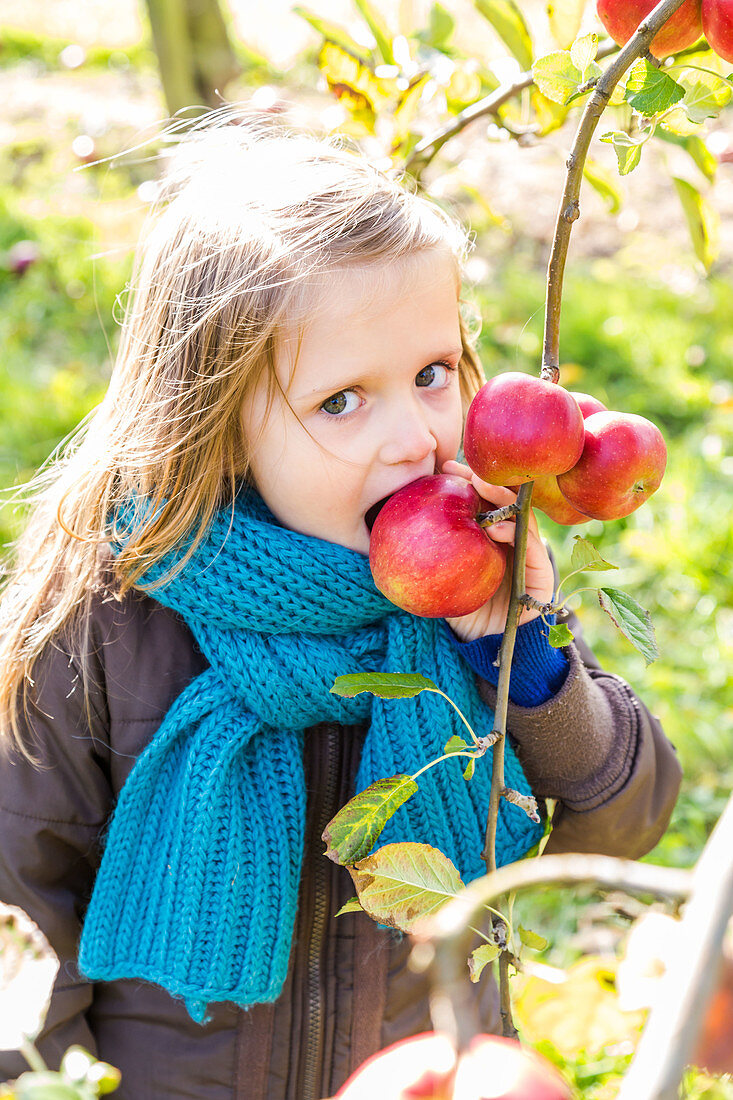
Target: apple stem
485,519
569,209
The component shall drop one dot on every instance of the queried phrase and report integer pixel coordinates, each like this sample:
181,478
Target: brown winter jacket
594,746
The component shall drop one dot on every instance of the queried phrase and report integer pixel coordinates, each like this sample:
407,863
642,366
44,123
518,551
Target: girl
194,575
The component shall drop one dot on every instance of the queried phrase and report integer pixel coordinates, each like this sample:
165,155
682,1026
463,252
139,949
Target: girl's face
373,399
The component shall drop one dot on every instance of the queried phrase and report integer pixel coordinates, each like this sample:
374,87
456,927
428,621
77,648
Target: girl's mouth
371,514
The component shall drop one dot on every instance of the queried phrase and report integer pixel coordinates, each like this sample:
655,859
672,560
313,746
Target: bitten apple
428,553
717,25
622,17
519,427
423,1067
622,464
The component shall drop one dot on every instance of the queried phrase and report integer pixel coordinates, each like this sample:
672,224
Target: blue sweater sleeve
538,670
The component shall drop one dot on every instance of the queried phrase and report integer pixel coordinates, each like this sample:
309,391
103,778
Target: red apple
424,1066
717,25
714,1049
519,427
623,461
622,17
546,494
428,553
588,404
547,497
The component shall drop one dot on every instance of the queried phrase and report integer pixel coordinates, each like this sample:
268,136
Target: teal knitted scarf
198,886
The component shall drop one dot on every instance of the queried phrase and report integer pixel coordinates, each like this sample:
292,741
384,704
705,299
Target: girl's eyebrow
357,378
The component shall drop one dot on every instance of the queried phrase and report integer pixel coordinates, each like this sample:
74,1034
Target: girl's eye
338,403
436,373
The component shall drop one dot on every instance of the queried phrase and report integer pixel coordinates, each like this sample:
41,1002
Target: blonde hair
250,217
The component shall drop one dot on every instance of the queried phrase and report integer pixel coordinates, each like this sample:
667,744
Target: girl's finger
459,468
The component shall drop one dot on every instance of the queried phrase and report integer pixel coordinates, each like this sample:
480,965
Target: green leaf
627,149
354,84
677,123
564,17
604,183
333,33
440,27
650,90
549,116
353,905
556,76
407,107
401,884
46,1086
583,52
93,1077
585,556
353,832
694,146
463,88
76,1063
706,94
387,685
480,958
508,22
531,939
560,635
703,158
634,621
456,744
379,29
469,769
702,220
104,1077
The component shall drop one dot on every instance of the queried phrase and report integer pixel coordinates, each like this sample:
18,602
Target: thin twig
569,210
427,149
443,941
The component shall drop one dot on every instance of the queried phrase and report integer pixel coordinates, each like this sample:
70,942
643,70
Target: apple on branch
519,428
424,1067
429,553
717,25
622,464
622,17
546,494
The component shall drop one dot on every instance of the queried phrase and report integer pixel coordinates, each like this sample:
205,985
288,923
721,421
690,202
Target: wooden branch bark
569,210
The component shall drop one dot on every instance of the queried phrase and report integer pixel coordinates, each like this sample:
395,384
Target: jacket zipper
313,1054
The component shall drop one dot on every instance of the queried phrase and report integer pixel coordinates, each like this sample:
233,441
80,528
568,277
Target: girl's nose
408,437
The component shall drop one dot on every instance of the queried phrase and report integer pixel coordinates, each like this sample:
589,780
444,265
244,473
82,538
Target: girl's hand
539,578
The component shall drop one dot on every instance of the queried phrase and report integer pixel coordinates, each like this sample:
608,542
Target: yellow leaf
580,1013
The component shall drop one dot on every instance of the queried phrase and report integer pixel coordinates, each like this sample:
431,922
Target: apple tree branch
569,210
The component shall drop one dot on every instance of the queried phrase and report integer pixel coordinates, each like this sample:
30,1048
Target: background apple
422,1067
546,494
547,497
588,404
622,464
717,25
622,17
519,427
428,554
